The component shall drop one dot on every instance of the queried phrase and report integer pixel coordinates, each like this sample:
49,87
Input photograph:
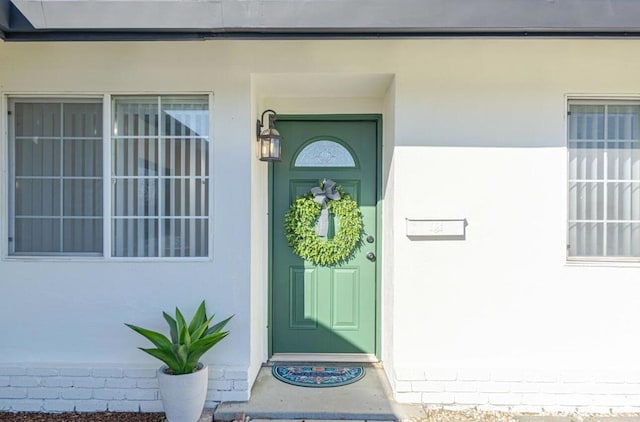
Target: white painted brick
241,385
5,381
507,374
216,373
575,399
147,383
409,397
151,406
123,406
57,382
42,372
136,394
575,376
524,387
235,395
109,394
107,372
461,386
493,387
471,398
120,383
12,371
505,399
540,375
76,393
557,387
221,385
441,374
469,374
58,405
427,386
623,388
620,388
403,386
608,376
630,377
438,398
603,388
43,393
610,400
24,381
89,382
214,396
235,374
75,372
540,399
410,374
633,400
13,393
91,406
140,373
27,405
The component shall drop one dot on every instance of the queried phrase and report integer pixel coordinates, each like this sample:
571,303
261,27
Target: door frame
377,118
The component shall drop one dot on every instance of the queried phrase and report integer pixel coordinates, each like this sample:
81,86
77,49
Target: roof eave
4,16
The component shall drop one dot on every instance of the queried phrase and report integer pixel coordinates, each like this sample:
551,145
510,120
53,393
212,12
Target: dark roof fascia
164,35
5,7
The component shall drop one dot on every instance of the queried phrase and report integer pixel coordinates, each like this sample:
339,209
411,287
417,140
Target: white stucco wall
474,129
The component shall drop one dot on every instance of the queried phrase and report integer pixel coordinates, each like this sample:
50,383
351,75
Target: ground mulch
81,417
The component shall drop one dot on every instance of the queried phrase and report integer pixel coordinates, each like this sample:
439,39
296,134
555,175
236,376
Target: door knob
371,256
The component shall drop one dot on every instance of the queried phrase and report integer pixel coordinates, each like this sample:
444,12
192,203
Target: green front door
325,309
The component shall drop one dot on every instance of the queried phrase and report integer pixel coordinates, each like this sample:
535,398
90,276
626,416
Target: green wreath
299,224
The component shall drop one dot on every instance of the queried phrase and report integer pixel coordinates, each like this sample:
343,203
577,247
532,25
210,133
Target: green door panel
319,309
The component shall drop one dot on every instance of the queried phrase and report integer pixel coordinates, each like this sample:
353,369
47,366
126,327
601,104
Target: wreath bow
322,197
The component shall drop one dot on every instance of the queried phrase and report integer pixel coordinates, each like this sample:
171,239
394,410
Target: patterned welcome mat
318,376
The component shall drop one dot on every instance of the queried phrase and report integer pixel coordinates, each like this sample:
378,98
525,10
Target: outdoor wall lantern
268,139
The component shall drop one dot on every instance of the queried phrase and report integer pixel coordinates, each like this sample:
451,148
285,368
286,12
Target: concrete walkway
368,399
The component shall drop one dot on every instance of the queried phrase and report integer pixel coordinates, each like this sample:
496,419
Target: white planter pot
183,396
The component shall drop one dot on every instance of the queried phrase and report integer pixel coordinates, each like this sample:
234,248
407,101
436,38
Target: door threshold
325,357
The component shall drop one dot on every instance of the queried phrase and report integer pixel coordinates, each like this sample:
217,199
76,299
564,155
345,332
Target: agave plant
188,343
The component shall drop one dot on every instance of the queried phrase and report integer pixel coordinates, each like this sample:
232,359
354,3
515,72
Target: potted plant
183,379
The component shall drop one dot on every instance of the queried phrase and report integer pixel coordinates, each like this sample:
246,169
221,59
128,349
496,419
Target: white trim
106,176
211,168
4,179
10,192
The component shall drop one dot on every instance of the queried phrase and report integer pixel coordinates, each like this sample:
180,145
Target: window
604,180
158,183
160,176
57,177
324,153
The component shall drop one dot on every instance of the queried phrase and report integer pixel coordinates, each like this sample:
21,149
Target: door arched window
324,153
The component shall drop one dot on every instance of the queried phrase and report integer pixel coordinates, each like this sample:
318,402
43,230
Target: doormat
318,376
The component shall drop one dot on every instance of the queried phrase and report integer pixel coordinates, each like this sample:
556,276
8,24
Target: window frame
7,162
591,100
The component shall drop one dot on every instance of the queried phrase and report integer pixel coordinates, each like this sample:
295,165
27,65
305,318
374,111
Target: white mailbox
443,229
